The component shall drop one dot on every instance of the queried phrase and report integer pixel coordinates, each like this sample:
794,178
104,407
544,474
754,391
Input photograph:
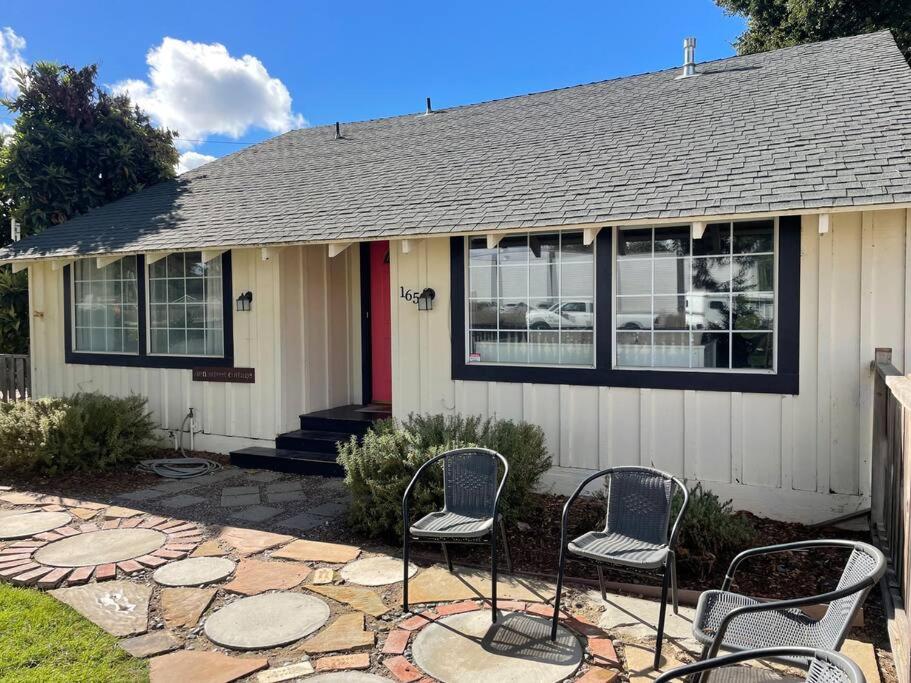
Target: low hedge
84,432
379,467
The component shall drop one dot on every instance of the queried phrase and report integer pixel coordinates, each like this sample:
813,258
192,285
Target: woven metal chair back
835,623
821,671
470,482
639,504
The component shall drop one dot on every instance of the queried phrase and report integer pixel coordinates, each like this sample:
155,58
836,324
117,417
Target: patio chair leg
405,553
446,556
506,546
663,608
493,576
601,583
560,571
674,581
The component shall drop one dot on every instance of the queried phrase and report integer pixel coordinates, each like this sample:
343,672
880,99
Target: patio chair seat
451,525
619,549
790,627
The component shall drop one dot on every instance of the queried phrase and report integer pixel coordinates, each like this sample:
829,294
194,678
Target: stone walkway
180,574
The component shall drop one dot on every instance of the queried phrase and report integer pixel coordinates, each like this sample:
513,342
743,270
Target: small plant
380,466
84,432
710,530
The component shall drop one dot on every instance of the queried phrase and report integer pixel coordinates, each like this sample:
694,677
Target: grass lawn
42,640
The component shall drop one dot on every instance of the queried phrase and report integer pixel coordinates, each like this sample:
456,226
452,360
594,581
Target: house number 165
408,295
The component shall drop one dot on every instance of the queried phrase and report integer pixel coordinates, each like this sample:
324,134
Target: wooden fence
15,376
891,499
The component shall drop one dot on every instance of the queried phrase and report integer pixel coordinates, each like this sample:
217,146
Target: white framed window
105,307
531,300
705,304
185,306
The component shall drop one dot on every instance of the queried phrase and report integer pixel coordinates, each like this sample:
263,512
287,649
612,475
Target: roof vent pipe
429,110
689,57
338,131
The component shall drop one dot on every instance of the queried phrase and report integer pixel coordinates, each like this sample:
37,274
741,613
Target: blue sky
318,62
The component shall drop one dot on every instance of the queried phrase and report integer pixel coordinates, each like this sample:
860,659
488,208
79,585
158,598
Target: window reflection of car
577,314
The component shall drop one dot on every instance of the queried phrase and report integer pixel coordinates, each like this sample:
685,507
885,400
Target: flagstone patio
282,607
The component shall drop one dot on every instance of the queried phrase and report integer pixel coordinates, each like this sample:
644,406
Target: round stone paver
266,621
100,547
467,648
31,523
196,571
376,571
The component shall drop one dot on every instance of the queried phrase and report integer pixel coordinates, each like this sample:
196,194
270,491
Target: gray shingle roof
815,126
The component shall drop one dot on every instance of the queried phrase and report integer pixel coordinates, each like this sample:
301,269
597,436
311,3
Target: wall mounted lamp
245,301
425,299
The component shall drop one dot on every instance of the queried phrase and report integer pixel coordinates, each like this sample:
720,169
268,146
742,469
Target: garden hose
179,468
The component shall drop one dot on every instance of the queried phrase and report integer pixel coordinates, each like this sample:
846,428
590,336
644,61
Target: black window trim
785,380
144,359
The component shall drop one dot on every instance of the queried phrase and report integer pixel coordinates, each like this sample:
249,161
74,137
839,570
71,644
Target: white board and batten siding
301,305
803,457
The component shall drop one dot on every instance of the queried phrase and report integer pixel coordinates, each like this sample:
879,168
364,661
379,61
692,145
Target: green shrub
709,530
84,432
379,468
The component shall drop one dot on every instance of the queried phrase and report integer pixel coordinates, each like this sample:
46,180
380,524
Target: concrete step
285,460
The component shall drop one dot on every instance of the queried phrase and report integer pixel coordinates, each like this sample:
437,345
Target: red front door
380,324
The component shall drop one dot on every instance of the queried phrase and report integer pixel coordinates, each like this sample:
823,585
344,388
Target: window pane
105,304
670,313
672,275
671,350
185,306
572,250
672,241
482,346
543,249
751,237
513,282
482,314
754,273
708,312
634,242
544,281
715,240
482,283
577,279
514,250
712,274
544,314
634,349
753,311
711,349
634,276
577,348
479,254
544,348
512,314
634,313
751,350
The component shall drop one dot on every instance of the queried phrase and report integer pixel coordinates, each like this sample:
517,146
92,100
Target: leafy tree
73,147
780,23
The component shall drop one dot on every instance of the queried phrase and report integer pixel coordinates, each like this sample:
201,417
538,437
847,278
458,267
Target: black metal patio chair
469,514
635,536
822,666
738,622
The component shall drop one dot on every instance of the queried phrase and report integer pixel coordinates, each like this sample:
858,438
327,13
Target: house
689,269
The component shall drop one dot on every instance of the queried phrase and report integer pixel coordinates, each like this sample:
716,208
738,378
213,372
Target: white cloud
11,47
190,160
199,89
